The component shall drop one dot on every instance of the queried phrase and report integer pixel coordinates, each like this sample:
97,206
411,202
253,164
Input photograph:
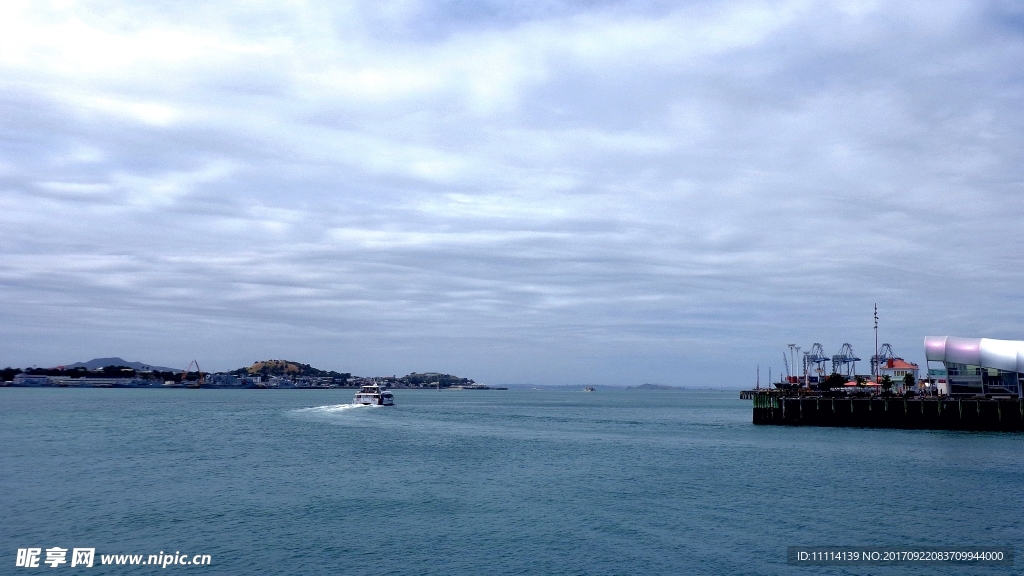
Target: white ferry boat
375,395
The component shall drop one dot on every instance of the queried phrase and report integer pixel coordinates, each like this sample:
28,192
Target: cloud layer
592,192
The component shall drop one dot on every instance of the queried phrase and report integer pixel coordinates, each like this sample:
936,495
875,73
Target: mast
792,362
874,365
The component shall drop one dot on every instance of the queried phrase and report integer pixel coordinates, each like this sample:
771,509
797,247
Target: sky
596,192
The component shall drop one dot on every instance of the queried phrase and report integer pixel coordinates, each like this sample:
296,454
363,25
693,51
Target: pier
980,414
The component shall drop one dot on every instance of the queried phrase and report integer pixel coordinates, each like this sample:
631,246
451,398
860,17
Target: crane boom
202,377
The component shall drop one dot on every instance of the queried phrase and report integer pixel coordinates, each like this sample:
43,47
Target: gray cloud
569,192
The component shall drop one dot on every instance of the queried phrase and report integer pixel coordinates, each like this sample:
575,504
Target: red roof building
897,369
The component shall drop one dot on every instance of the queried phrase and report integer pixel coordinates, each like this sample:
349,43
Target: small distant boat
374,395
589,389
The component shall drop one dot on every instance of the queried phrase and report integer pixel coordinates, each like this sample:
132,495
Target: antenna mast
874,369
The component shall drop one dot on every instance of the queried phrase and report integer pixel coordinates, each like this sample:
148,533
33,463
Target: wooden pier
749,394
981,414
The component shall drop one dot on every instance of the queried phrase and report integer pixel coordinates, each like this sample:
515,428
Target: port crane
199,382
814,361
885,354
845,362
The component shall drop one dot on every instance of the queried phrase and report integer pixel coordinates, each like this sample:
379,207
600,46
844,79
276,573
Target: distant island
653,387
116,372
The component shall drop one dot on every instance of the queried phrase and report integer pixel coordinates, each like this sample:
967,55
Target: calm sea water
483,482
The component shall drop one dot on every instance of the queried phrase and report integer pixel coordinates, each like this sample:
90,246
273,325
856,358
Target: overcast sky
512,191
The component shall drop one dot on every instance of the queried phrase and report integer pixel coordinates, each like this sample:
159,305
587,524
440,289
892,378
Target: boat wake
332,409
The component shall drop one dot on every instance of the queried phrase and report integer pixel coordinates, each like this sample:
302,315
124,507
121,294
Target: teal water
483,482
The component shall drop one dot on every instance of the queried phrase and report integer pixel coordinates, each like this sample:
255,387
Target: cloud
613,192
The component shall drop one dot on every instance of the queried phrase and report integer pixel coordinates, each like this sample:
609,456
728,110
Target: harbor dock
978,414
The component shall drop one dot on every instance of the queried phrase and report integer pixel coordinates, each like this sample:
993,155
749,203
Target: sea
523,481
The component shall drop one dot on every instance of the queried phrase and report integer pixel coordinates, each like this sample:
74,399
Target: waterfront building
897,369
977,366
219,380
35,380
32,380
938,380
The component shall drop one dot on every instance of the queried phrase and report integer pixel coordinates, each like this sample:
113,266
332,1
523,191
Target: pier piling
980,414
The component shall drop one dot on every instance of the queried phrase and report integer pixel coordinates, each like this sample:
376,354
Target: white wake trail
333,408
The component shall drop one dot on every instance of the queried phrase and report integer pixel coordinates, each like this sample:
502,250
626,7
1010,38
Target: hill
116,361
267,368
